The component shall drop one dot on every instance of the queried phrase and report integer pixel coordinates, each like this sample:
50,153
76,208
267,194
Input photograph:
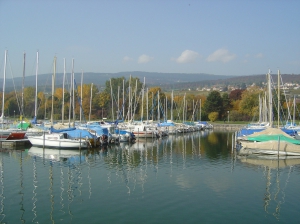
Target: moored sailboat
62,139
9,133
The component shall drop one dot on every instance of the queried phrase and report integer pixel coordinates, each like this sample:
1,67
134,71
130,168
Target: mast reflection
274,179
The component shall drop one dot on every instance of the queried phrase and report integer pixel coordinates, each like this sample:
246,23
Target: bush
213,116
236,116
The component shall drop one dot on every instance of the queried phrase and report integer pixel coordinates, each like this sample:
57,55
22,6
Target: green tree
213,103
226,103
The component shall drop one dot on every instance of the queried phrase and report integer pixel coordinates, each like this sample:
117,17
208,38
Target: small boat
58,140
7,134
271,141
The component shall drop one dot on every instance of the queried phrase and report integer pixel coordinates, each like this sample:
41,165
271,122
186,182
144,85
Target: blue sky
221,37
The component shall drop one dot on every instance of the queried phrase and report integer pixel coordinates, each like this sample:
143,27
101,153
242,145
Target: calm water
181,179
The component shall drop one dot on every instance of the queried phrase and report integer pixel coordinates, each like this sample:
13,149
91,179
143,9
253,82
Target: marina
196,177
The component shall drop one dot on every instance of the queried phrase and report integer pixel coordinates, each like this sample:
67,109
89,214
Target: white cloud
144,59
222,55
187,56
126,59
259,55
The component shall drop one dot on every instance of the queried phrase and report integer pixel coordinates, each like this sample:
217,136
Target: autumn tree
249,102
236,94
213,116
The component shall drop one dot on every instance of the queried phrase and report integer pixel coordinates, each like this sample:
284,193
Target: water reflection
35,185
56,155
1,190
21,187
277,172
65,163
178,171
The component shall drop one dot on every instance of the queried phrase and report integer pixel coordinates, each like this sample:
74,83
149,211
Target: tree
213,103
226,102
236,94
114,83
213,116
249,102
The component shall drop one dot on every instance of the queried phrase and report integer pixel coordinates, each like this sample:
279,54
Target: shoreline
228,126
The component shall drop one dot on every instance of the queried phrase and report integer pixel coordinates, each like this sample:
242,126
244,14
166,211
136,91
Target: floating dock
14,143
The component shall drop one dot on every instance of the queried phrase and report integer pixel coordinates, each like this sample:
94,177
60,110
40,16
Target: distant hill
99,79
166,81
235,81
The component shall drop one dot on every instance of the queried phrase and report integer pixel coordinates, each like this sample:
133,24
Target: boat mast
158,114
200,111
270,100
3,90
294,111
183,110
123,109
143,93
166,110
135,99
278,106
172,106
70,106
152,106
63,96
147,101
73,92
118,106
91,102
53,87
36,73
80,106
112,101
129,99
22,106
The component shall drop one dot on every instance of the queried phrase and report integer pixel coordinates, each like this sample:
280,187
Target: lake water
192,178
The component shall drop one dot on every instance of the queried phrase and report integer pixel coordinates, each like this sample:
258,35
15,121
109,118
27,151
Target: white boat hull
52,142
269,148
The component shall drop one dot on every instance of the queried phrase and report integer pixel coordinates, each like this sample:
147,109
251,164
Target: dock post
232,142
44,140
80,142
235,134
278,146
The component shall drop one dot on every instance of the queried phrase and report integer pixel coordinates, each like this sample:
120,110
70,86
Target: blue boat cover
52,129
33,121
290,132
79,133
246,132
203,122
165,124
99,130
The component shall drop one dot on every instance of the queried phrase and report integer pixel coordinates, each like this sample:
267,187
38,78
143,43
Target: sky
220,37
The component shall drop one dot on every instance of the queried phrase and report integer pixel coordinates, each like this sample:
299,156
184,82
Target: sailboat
271,141
8,134
63,139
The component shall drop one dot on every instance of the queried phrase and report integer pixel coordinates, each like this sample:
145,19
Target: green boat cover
265,138
23,125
